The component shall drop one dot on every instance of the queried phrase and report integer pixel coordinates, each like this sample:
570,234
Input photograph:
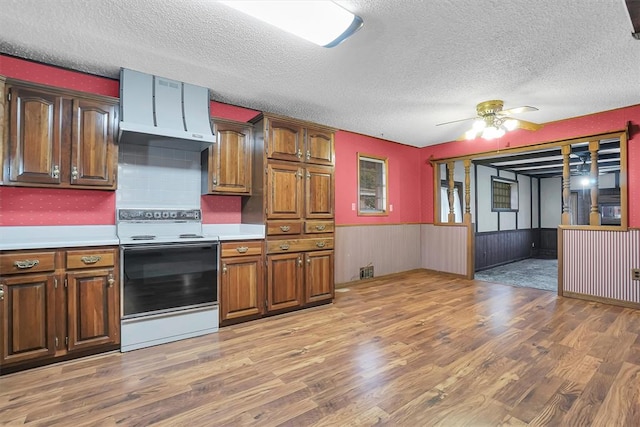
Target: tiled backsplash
157,177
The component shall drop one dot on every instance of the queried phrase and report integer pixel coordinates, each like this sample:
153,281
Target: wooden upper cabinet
285,191
319,147
227,164
27,315
319,197
35,136
284,140
59,138
92,144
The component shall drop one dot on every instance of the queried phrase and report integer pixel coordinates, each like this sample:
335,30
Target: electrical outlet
635,274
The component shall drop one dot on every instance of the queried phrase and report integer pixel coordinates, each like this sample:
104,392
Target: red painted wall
564,129
404,168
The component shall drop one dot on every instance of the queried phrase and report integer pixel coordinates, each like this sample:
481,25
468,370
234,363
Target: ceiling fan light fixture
510,124
322,22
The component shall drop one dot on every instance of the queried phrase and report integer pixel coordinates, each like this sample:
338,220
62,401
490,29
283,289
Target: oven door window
162,278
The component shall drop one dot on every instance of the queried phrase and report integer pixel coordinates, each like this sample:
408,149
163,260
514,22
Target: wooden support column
452,215
566,186
467,191
594,215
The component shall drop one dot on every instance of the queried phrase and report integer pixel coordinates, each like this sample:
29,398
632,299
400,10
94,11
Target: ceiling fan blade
523,124
456,121
517,110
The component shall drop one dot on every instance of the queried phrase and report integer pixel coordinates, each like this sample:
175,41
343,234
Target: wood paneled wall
444,248
500,247
597,264
548,247
389,248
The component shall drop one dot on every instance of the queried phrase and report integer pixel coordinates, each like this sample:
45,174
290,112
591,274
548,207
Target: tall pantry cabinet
293,195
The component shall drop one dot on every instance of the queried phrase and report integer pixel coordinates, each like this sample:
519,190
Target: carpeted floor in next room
529,273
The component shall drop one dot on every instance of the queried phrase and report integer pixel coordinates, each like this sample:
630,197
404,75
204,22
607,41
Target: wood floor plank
418,348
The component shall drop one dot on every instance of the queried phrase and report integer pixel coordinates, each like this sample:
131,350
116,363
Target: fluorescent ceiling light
322,22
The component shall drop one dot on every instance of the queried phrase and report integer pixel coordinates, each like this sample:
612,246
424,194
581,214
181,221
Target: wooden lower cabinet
318,277
284,281
73,308
241,281
92,309
27,312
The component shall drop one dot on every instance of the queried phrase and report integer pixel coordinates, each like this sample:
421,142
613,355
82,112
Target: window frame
385,182
513,185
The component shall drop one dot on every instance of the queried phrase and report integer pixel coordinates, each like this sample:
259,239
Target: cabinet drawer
90,258
311,227
275,228
233,249
299,245
27,262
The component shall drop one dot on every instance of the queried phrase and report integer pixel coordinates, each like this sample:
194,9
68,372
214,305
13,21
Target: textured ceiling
414,63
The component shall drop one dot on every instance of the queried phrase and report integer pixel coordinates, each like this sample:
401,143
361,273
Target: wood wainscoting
389,248
548,247
444,248
597,265
416,349
495,248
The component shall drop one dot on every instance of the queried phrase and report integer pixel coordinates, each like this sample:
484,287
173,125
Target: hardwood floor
416,349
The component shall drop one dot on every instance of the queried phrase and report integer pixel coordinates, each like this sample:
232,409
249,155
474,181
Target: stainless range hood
160,112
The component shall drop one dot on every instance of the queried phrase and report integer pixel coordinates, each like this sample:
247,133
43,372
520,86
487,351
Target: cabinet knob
308,260
224,268
27,263
74,173
1,292
308,155
215,181
55,173
299,262
111,280
299,154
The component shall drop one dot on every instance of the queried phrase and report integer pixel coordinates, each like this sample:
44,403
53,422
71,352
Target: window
504,195
372,185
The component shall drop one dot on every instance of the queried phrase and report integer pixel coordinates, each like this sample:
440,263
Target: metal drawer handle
320,227
242,249
110,280
1,292
299,154
55,173
90,259
285,228
308,154
320,244
74,173
27,263
284,247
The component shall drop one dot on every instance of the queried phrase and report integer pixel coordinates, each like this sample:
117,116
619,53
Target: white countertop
62,236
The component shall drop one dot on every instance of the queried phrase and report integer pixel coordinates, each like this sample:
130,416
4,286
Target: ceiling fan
493,122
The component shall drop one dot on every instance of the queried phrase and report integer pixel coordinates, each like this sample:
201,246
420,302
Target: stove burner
143,237
191,236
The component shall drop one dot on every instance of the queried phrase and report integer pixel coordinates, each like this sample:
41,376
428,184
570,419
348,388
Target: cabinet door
92,307
242,287
318,277
284,281
35,136
93,152
230,159
284,191
284,140
27,312
319,147
319,198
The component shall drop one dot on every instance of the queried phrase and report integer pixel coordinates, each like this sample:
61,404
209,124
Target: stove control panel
152,215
